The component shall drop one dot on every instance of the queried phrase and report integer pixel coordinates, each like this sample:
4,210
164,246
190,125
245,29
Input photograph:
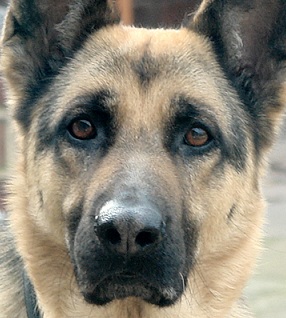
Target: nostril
127,231
112,236
145,238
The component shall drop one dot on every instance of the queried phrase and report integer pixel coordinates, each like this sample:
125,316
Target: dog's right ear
249,39
41,35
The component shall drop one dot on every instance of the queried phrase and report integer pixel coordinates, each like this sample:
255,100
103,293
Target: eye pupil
197,137
82,129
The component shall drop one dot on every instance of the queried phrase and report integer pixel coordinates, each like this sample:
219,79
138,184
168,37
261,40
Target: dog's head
143,149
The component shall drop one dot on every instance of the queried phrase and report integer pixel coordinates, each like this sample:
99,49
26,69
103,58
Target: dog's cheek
48,188
231,212
220,200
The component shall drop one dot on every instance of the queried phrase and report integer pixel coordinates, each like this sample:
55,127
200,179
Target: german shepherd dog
137,188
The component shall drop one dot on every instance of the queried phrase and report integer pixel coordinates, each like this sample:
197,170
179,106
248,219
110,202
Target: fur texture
137,189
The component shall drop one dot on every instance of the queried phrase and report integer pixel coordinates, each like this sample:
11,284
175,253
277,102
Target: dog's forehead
145,68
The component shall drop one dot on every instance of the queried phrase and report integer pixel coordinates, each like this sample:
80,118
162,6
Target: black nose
129,230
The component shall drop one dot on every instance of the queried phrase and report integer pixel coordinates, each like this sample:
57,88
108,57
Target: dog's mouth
111,263
127,284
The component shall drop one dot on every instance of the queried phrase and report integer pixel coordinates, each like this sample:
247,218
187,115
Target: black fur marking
277,40
191,236
231,213
147,69
24,112
21,30
74,218
41,198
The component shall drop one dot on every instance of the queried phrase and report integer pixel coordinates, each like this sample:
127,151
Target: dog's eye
82,129
197,137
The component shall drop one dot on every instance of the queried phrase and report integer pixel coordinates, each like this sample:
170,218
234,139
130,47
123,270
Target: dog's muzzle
130,248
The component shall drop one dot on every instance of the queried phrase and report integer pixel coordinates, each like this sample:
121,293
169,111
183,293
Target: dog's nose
129,230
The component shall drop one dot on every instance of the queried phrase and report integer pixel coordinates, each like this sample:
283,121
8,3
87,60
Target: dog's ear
249,38
41,35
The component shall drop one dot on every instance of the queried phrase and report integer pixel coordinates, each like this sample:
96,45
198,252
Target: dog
136,192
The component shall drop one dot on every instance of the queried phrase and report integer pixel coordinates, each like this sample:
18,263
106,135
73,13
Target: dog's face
142,157
147,162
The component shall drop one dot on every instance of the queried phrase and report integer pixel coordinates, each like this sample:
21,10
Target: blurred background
266,292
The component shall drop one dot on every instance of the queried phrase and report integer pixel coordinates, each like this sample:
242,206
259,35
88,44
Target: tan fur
226,249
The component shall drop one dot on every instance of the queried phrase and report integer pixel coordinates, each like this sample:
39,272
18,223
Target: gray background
267,289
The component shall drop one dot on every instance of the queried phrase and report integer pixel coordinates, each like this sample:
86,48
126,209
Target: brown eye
197,137
82,129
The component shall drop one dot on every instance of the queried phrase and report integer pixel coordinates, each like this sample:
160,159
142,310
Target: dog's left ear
249,38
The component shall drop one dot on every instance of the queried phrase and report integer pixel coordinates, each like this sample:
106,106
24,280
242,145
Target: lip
118,278
124,278
127,284
128,275
121,277
119,286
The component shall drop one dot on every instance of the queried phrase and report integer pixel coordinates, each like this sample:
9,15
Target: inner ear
48,31
25,18
246,35
67,22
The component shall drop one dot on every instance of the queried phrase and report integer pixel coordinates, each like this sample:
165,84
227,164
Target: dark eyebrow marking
183,106
100,101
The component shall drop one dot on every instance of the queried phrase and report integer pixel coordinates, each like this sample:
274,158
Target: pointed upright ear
249,38
40,35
